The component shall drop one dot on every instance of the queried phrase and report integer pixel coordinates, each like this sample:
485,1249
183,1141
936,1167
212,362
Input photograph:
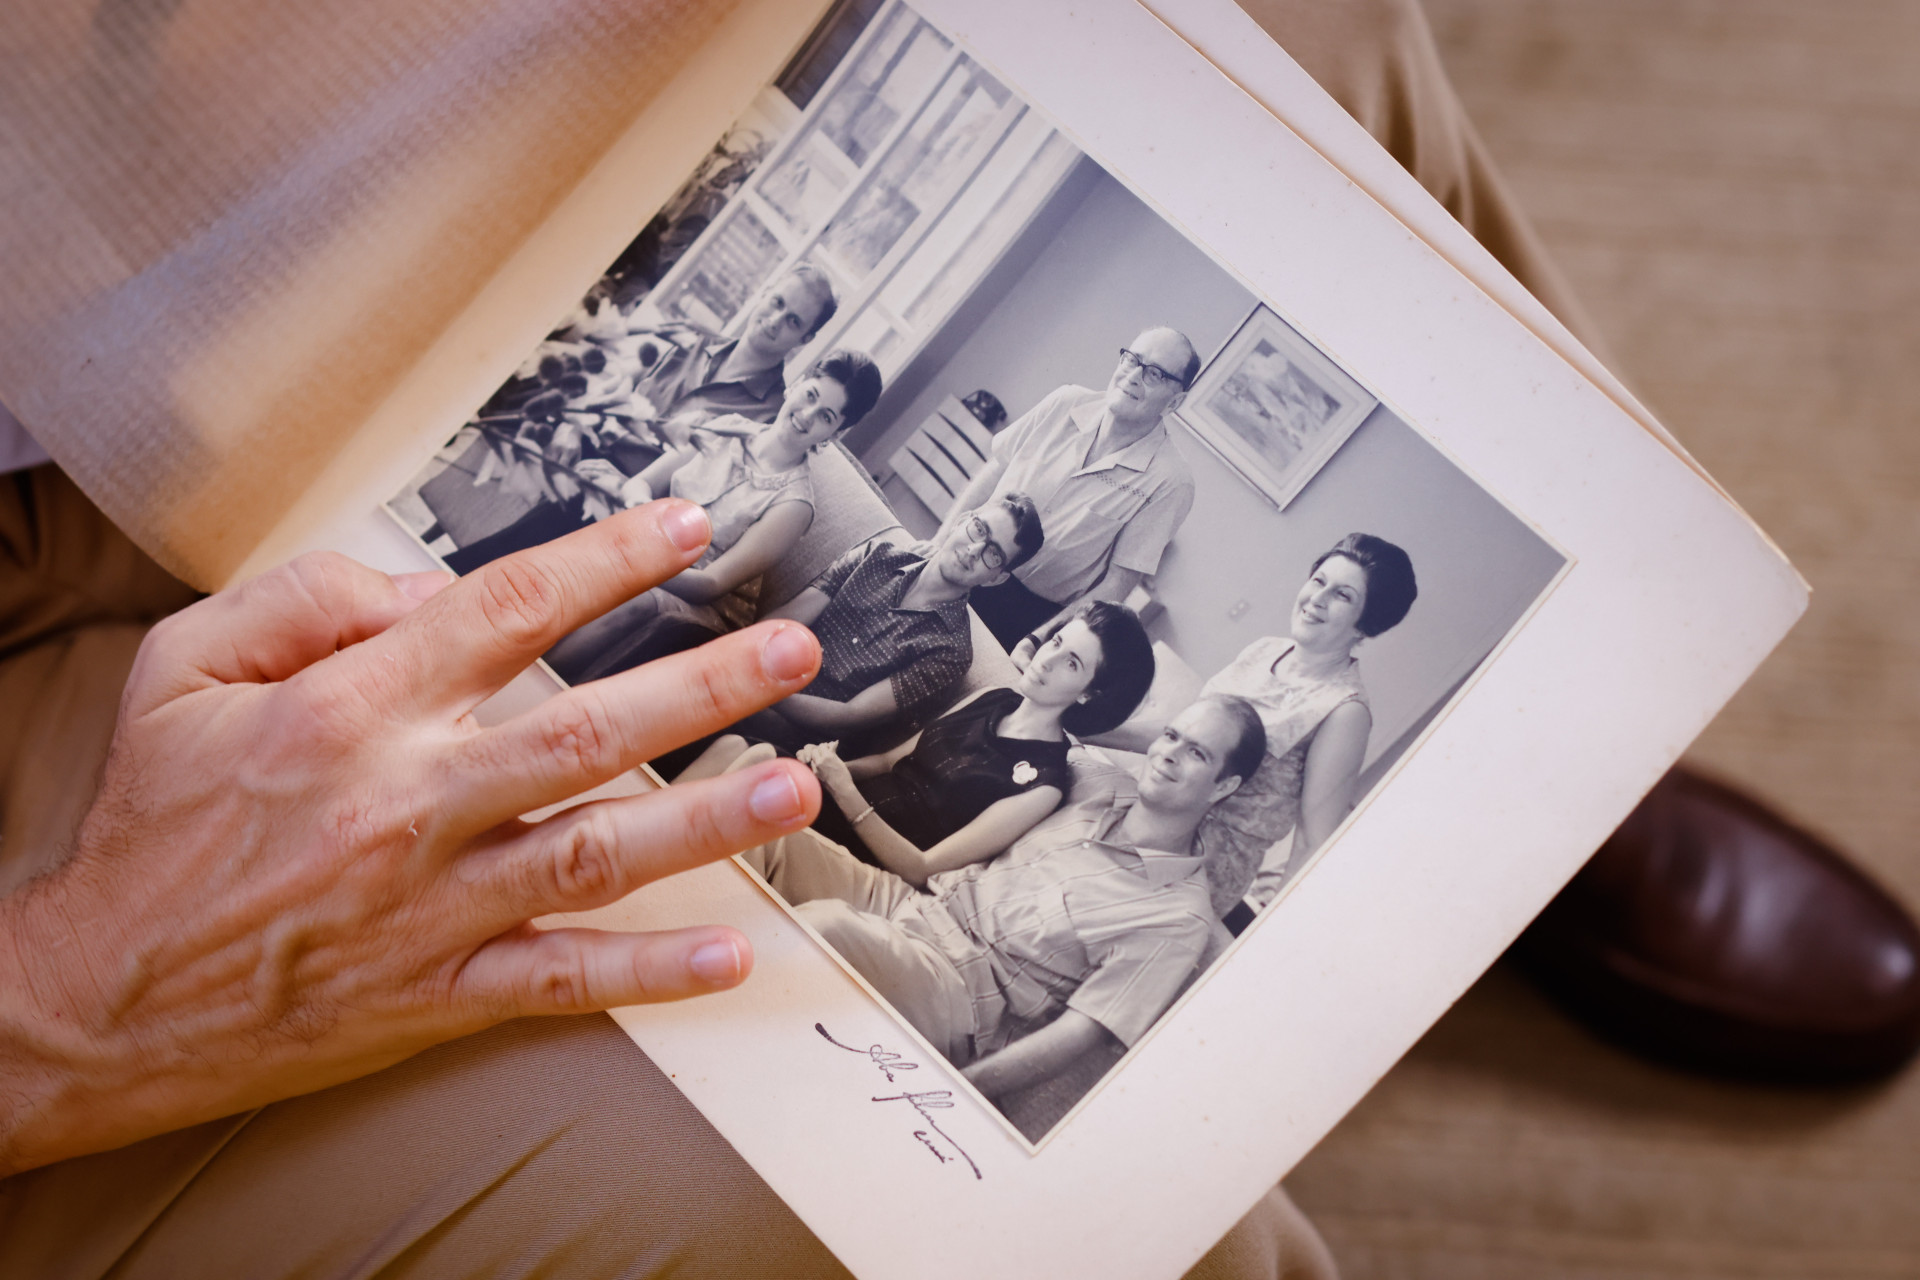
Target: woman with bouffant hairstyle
1308,691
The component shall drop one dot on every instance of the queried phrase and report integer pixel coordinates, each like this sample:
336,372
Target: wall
1095,268
1111,268
1479,567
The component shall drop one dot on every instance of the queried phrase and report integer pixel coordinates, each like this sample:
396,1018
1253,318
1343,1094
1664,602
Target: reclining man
1110,484
1087,928
895,635
680,377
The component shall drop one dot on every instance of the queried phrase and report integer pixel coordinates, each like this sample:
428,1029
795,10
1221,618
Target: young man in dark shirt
895,635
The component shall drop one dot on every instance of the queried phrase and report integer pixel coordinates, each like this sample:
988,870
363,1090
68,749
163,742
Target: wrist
75,1076
48,1058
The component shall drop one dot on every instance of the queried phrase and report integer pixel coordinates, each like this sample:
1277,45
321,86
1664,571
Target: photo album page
1231,635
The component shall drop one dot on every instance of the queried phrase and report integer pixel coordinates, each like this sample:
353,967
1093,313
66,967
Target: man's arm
804,608
1006,446
828,718
305,861
1037,1057
1116,585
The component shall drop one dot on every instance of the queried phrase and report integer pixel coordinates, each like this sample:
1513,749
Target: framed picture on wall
1273,406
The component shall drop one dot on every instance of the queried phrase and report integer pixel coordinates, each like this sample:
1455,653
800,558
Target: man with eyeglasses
895,636
1110,486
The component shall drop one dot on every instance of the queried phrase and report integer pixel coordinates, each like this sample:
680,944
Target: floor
1733,187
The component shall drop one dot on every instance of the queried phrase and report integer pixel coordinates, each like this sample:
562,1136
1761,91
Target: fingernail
774,799
789,654
716,963
686,524
424,585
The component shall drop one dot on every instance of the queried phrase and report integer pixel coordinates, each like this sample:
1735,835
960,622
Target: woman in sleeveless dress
1309,694
979,777
753,480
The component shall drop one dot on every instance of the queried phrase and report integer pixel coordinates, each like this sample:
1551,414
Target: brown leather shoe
1710,933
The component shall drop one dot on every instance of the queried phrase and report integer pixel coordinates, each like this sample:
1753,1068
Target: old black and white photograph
1128,594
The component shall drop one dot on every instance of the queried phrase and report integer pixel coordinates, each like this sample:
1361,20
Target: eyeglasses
981,534
1154,375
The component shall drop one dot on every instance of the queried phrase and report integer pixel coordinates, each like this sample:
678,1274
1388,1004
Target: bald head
1152,377
1170,341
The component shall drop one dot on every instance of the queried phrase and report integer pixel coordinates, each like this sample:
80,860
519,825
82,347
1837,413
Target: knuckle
582,736
585,864
707,831
565,984
520,600
162,636
311,580
320,572
713,695
632,544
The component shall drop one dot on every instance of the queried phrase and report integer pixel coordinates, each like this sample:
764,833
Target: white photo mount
1660,620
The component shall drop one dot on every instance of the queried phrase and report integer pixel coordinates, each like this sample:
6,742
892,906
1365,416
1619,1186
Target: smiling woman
981,776
752,480
1308,691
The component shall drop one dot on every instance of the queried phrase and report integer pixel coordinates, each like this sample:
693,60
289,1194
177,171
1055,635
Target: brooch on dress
1023,773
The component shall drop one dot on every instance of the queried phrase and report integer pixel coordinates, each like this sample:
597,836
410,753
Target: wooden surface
1733,187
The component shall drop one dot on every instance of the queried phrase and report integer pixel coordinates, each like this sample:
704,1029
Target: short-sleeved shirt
676,366
866,635
1070,918
1122,510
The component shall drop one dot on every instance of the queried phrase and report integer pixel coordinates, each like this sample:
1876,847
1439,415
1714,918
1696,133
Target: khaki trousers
549,1146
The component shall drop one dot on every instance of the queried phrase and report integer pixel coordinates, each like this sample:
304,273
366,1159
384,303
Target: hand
560,484
567,444
305,860
824,759
602,475
636,492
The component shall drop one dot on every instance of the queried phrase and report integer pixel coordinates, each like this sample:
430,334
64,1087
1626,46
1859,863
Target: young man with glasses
1110,486
895,636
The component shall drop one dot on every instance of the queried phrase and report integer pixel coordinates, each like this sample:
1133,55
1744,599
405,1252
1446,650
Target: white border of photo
1664,616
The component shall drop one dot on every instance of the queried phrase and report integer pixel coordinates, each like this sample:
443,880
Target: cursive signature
890,1064
888,1061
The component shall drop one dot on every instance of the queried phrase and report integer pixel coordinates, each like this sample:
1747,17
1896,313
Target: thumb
270,627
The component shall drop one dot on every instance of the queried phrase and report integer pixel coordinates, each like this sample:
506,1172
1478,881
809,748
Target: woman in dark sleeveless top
979,777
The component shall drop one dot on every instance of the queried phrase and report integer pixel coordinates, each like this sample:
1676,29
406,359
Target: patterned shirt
1123,509
866,635
1070,918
